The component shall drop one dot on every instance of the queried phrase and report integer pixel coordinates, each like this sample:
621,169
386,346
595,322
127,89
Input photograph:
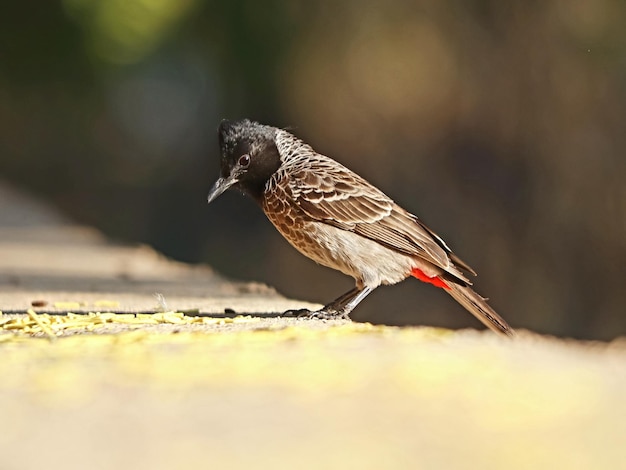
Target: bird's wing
328,192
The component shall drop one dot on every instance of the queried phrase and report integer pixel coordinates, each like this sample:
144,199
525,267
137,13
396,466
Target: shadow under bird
333,216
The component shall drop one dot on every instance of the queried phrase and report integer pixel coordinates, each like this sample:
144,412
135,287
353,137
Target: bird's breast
368,262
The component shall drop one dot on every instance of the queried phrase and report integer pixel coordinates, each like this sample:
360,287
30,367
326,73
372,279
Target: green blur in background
501,124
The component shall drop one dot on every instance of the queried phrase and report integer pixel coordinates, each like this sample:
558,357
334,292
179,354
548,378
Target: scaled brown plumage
338,219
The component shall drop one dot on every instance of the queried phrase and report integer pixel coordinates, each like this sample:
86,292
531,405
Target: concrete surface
251,390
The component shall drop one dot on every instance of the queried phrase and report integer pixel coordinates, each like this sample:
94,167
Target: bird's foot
321,314
328,314
297,313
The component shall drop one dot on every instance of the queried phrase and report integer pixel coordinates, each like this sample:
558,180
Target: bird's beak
221,185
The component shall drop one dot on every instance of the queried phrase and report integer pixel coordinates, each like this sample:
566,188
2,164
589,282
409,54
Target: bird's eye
244,160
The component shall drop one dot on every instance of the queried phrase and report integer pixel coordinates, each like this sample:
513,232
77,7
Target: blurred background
500,124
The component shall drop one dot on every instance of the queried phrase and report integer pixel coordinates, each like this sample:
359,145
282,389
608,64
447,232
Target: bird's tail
478,307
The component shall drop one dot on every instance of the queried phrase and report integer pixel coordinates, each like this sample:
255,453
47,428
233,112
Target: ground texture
96,371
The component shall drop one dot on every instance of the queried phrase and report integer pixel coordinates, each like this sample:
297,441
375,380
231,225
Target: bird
338,219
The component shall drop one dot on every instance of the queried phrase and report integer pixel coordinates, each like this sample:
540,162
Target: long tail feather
477,305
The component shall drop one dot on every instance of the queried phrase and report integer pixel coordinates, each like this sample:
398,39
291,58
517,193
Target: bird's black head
249,157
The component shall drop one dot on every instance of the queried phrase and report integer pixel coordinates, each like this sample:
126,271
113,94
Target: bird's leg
339,308
340,301
356,300
334,305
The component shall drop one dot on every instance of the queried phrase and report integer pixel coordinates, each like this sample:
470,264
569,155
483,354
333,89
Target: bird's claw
297,313
325,314
322,314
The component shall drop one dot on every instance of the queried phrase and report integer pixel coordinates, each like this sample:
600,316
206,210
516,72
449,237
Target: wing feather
329,192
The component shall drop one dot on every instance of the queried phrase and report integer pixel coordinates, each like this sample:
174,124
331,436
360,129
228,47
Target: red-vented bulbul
333,216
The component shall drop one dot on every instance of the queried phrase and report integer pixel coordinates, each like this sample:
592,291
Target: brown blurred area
501,124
